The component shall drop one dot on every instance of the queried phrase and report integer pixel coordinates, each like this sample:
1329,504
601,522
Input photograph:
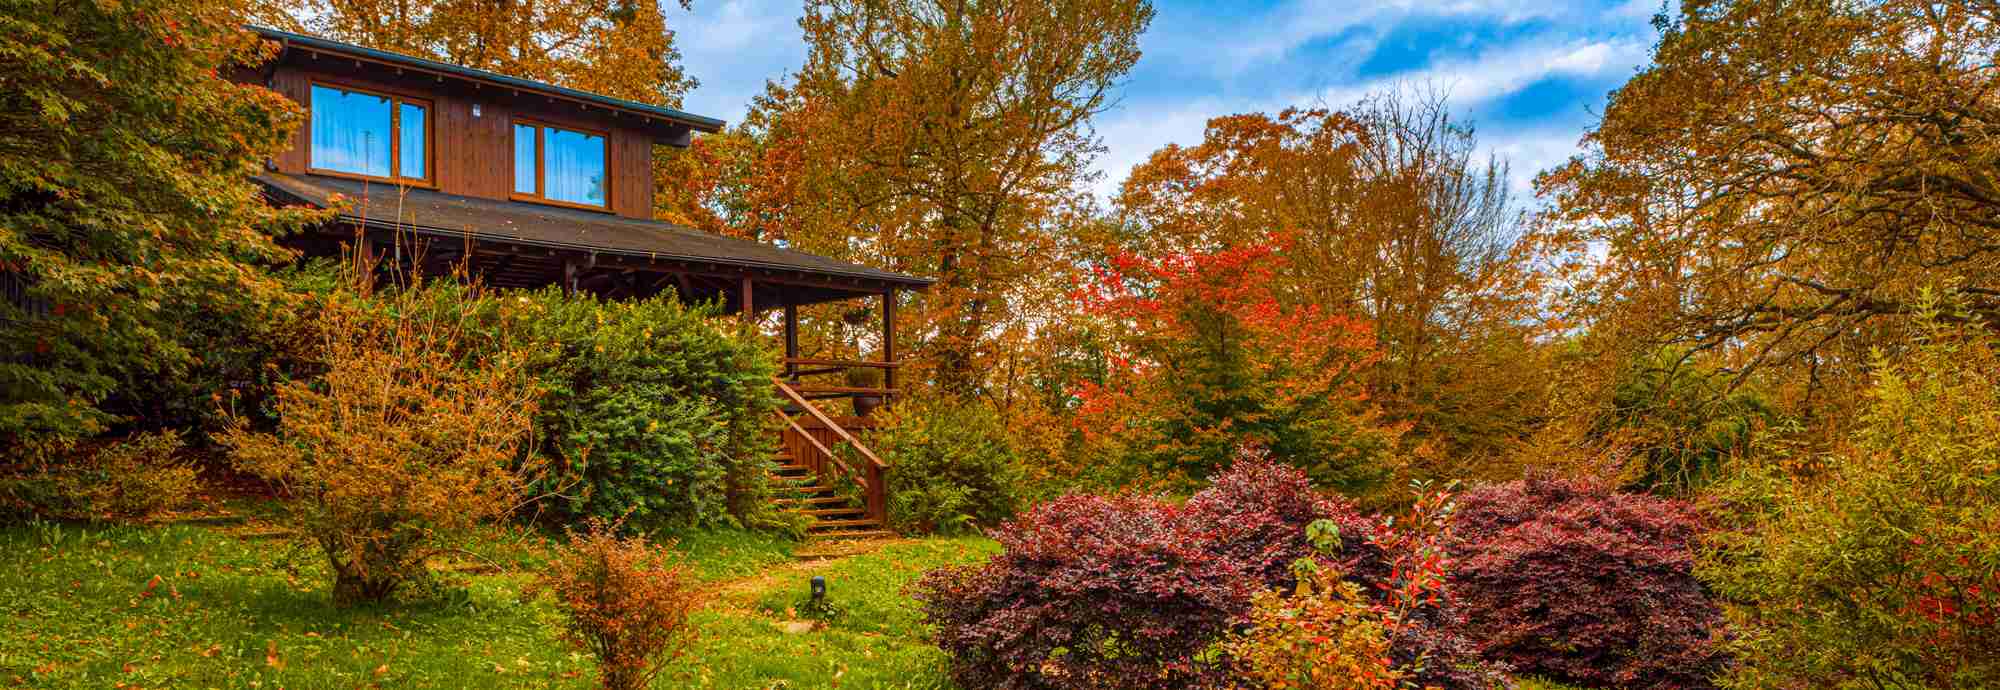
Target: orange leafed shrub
404,435
1324,636
627,603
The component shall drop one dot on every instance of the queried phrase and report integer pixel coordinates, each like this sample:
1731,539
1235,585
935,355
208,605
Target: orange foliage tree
938,138
1388,214
1212,356
1777,197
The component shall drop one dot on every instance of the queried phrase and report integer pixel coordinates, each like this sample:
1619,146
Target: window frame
396,102
541,163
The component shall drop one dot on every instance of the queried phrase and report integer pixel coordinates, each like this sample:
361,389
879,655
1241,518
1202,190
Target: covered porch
516,245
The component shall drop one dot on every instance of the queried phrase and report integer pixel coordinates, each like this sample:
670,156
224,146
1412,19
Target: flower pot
865,404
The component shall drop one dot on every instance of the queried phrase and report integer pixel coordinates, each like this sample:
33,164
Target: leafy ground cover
237,606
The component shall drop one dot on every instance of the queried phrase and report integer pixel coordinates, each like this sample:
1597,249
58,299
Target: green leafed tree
126,205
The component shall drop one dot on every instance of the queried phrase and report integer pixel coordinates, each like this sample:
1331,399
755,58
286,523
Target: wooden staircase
846,497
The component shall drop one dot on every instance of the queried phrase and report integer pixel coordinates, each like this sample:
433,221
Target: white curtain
575,167
350,132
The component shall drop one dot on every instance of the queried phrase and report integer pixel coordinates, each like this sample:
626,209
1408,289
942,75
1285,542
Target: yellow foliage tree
620,48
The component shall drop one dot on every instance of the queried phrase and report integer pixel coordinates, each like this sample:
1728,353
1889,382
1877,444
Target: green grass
209,607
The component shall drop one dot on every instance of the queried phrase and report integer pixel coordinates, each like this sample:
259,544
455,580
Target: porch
821,464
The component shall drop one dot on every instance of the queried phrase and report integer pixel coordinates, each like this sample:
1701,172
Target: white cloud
1292,25
1494,74
1134,131
1528,153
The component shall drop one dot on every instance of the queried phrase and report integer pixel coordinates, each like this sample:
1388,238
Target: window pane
524,159
411,131
575,167
350,132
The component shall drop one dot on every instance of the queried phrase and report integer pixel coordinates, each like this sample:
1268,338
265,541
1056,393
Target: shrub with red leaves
1584,584
1131,592
1091,592
1256,515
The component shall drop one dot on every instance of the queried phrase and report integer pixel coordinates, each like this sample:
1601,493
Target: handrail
853,390
845,471
837,429
810,361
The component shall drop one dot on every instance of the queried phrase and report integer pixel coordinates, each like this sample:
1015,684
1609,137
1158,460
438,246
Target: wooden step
854,534
854,522
810,488
844,510
812,500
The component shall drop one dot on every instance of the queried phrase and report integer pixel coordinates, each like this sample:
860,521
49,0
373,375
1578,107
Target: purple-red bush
1256,515
1584,584
1131,592
1091,592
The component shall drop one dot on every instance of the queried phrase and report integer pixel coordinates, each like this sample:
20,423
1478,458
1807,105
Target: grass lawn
229,606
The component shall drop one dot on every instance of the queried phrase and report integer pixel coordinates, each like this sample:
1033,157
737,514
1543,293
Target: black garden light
818,587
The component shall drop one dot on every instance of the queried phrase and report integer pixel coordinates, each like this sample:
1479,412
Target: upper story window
558,165
370,135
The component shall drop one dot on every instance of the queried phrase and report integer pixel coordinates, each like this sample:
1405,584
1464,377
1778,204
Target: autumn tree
1212,358
618,48
939,138
1782,179
126,206
1391,216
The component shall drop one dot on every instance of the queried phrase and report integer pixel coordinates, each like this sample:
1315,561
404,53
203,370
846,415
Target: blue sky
1531,75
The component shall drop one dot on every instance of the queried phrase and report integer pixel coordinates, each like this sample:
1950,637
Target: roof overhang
602,241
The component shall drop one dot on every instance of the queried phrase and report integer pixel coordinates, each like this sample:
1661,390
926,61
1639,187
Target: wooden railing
797,368
812,447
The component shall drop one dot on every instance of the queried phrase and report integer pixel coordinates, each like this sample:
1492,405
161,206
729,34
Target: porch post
749,307
791,340
888,339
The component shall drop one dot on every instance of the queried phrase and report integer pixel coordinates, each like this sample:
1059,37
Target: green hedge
652,411
952,466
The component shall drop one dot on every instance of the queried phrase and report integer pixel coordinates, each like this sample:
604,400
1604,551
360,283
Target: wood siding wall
474,156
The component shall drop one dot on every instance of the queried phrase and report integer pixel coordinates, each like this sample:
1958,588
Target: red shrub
1585,584
1091,592
1130,592
1256,515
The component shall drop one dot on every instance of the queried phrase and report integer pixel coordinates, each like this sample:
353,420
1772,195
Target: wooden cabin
528,184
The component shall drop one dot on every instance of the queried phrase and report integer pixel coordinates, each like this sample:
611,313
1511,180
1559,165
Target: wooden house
528,184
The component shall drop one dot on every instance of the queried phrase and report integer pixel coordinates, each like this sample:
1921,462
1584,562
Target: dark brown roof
423,210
